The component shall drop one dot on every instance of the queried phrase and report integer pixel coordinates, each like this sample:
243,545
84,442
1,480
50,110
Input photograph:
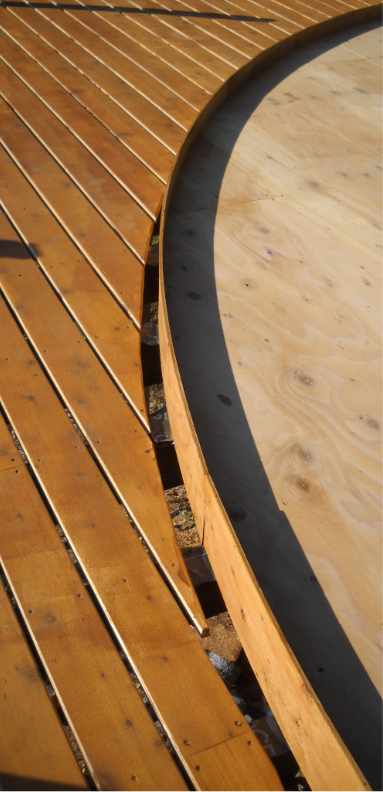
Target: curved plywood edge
313,739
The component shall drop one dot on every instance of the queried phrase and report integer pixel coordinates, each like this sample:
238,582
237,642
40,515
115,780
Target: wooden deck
275,233
98,107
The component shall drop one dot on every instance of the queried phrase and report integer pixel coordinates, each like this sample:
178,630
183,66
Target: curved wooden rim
318,748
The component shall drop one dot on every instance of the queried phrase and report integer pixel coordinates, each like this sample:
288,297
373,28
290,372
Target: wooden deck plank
115,339
33,745
113,261
224,35
276,25
120,443
134,54
178,41
190,32
150,118
125,181
149,87
89,678
257,32
191,699
272,19
155,45
290,16
137,140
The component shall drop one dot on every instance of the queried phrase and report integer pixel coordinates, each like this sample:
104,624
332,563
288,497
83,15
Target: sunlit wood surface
273,273
96,103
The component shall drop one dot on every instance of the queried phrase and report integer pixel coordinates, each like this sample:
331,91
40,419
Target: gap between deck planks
191,700
30,730
116,437
146,89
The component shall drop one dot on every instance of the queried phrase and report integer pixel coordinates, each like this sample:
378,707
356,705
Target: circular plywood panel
272,268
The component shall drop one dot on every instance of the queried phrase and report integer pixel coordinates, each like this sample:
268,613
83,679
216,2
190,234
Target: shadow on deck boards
274,553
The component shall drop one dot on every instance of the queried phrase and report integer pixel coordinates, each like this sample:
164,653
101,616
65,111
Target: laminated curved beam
317,746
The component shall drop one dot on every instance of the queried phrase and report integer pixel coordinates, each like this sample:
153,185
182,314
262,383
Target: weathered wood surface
95,108
272,270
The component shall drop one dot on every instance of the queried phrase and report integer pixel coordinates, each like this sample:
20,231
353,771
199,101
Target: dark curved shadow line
140,11
275,555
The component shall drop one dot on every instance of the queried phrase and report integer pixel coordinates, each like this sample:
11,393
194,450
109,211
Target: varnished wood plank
149,87
120,443
133,186
276,24
269,9
117,736
156,46
190,32
223,34
100,317
114,261
179,41
189,696
33,744
153,67
136,139
144,112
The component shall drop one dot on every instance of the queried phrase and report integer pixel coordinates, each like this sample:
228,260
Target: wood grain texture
136,139
118,439
95,36
192,702
33,743
193,288
93,151
159,125
90,680
84,225
103,321
97,105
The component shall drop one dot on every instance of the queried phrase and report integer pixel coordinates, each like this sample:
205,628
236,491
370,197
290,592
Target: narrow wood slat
218,20
120,443
182,86
134,54
137,140
191,699
33,745
277,25
299,12
114,261
115,338
190,32
155,45
115,732
278,18
240,28
150,88
224,35
133,187
144,112
189,47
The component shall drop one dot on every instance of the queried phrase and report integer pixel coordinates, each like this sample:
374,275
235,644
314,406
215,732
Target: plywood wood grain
275,316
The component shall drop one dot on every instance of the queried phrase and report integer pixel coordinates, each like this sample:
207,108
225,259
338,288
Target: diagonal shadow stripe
139,11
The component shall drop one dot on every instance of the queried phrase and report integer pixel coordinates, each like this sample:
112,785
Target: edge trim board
318,748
